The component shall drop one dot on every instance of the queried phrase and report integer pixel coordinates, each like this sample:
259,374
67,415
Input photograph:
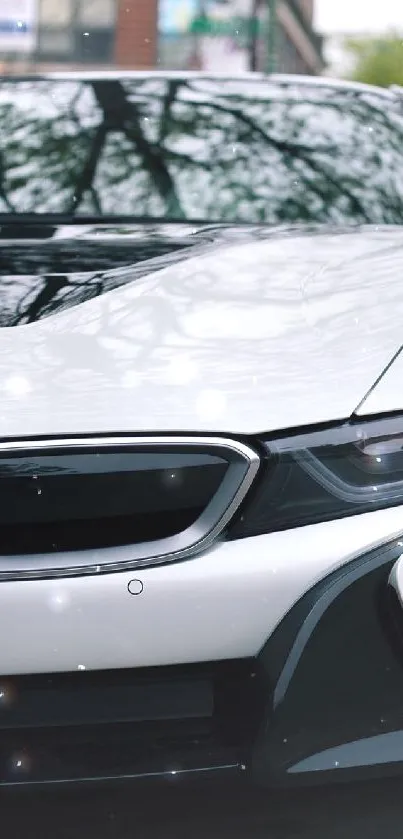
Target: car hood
232,331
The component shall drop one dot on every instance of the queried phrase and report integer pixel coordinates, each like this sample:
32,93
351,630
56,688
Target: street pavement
183,811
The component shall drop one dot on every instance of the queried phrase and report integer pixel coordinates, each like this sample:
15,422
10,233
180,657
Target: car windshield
195,148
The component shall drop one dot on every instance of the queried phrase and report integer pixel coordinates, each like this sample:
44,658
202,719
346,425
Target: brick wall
136,34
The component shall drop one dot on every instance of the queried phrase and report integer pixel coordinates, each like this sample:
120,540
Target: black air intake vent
63,502
80,506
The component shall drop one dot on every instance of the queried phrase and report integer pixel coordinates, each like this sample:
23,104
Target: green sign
238,27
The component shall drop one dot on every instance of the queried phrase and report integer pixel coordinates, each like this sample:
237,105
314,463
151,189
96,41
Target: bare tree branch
3,193
84,183
296,150
122,114
173,86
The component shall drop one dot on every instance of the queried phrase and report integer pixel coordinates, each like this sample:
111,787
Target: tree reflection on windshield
184,149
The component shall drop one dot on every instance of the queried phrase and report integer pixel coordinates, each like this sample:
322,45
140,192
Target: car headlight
324,474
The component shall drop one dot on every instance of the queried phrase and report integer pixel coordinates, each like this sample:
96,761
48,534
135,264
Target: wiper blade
67,218
45,226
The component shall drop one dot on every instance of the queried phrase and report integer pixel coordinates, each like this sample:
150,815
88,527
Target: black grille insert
55,501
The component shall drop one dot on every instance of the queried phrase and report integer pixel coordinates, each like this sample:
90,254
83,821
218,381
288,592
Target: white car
201,425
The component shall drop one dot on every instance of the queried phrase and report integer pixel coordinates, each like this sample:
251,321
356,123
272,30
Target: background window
56,13
99,13
96,46
53,42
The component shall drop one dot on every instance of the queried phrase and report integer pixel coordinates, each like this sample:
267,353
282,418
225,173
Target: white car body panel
222,605
241,339
387,395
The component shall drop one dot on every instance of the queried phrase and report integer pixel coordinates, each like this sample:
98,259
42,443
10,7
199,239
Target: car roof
277,78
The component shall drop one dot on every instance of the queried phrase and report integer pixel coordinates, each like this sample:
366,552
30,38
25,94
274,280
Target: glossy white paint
240,339
388,393
222,605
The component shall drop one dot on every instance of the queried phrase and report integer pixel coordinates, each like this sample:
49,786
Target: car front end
201,469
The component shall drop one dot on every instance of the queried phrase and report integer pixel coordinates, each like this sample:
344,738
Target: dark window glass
94,46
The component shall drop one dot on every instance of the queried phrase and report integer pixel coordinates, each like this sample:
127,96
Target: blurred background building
211,35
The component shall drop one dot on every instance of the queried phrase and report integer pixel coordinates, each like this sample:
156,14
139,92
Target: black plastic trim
333,672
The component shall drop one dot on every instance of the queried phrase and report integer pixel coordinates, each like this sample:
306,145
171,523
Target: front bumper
335,669
224,604
134,698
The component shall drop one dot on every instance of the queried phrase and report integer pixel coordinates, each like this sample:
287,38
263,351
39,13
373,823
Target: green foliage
378,61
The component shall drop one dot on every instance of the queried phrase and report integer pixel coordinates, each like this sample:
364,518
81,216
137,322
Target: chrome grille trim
243,465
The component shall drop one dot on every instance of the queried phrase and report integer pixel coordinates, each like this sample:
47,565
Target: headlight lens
325,474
